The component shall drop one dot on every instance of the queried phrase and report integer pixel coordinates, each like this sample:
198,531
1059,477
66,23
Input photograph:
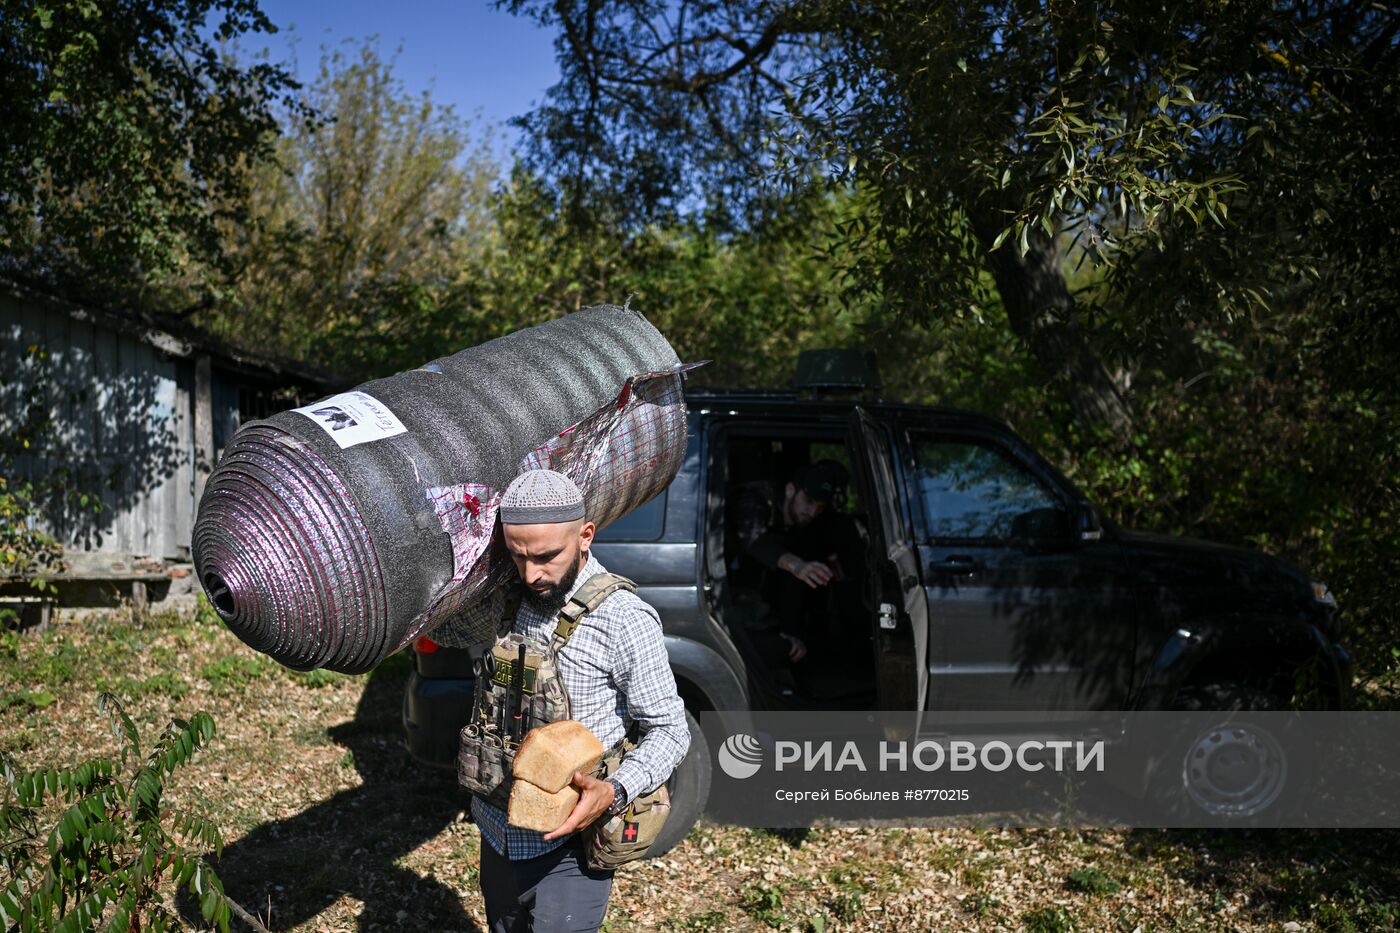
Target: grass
846,897
166,683
234,672
331,827
704,921
318,678
763,902
1049,920
1092,880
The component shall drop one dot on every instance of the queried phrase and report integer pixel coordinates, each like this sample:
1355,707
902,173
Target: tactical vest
519,687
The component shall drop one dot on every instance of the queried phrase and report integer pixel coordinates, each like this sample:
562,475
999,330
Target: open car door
901,633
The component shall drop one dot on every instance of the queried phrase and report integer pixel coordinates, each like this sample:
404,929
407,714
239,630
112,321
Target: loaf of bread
543,794
532,808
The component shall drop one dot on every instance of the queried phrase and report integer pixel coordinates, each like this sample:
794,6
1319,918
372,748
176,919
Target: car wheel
690,788
1234,771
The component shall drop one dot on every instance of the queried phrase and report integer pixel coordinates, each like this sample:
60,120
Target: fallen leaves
330,826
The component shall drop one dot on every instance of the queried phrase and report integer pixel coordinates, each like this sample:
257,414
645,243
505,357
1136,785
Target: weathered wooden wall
123,429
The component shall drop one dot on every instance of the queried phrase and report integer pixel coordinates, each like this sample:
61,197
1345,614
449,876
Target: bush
115,850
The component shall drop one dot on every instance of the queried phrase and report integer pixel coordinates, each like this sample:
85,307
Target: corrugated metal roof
180,338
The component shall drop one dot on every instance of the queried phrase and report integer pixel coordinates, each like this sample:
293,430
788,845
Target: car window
644,523
971,490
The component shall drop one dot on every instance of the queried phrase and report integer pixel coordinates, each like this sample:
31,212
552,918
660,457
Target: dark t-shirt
766,538
832,537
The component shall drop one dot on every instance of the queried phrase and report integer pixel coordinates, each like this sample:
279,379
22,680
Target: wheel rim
1234,770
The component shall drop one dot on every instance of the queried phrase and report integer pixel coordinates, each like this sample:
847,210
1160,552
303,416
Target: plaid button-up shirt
615,671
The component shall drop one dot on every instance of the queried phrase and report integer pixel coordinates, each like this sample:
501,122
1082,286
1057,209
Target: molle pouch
484,764
614,841
507,704
542,697
518,688
468,757
617,840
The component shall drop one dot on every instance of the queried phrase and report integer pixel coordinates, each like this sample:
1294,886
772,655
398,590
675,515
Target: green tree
1161,240
768,290
125,137
997,141
363,224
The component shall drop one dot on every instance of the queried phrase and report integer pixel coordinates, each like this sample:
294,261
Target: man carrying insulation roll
575,643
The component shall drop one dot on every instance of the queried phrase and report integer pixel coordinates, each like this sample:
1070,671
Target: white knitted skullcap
541,497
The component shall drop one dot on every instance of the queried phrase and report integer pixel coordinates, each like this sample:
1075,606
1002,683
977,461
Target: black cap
822,481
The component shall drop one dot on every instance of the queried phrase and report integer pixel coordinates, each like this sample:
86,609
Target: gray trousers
548,893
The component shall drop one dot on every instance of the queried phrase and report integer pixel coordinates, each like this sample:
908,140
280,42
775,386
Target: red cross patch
629,832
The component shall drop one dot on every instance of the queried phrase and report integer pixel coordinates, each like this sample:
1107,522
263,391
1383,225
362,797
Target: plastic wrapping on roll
334,534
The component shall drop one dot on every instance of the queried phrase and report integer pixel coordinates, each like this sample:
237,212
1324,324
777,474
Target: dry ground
330,826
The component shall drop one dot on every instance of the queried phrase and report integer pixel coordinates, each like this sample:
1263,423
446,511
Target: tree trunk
1041,312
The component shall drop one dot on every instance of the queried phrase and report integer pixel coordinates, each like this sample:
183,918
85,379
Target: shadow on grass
353,843
1346,881
794,838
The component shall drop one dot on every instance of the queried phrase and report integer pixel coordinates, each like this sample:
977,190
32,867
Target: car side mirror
1085,519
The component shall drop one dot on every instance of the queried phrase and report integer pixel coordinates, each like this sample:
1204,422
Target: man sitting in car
814,560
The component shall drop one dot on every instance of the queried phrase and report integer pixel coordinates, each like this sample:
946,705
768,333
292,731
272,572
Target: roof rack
837,372
744,393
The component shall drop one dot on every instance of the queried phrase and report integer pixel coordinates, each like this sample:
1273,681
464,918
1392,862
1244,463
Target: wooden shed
138,409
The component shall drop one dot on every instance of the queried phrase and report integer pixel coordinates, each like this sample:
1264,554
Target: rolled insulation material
334,534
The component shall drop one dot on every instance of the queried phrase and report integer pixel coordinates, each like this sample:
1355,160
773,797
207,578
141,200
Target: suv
993,584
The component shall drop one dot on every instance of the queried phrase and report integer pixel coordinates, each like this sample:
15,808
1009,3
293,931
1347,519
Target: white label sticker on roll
353,418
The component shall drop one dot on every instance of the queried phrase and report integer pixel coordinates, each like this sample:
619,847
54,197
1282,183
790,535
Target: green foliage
1213,161
1121,124
28,699
846,896
25,549
235,671
126,135
48,664
363,228
166,683
1355,910
205,614
33,669
983,905
386,239
318,678
705,920
1048,920
764,902
769,290
1092,881
115,851
846,906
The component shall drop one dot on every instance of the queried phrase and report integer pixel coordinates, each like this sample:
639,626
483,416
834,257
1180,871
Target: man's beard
790,518
552,600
